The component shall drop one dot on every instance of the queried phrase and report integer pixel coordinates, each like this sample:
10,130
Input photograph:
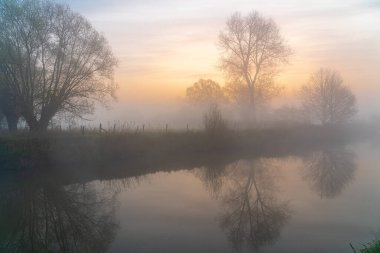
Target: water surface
317,202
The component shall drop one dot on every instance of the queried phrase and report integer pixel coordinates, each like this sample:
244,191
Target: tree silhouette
52,60
326,99
208,93
251,50
46,217
205,92
251,215
330,171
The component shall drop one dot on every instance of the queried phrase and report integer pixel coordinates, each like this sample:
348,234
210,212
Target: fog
189,126
180,114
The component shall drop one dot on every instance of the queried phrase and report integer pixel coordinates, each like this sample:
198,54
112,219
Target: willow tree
252,48
53,60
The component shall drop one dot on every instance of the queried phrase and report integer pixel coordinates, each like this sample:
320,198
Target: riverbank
94,150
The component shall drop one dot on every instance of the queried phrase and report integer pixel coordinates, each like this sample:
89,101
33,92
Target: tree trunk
12,120
43,125
252,105
37,125
31,121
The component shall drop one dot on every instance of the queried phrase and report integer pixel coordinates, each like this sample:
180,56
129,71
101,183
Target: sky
164,46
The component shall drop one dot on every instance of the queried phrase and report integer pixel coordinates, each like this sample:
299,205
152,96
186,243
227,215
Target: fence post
166,128
100,127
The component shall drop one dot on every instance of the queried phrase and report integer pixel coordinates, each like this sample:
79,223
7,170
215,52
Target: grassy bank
371,247
94,150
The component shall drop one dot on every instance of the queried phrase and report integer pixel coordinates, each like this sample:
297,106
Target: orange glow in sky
165,46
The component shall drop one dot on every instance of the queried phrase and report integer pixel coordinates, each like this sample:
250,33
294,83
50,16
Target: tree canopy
52,60
326,99
251,50
205,92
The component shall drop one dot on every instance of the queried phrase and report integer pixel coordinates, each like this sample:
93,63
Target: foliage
371,248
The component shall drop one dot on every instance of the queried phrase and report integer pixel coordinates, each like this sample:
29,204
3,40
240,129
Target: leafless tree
252,215
252,49
52,60
42,216
326,99
330,171
205,92
209,94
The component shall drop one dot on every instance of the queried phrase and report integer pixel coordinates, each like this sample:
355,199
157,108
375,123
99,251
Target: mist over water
189,126
261,203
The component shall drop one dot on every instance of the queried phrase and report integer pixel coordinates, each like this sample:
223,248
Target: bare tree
205,92
208,93
238,92
46,217
252,49
326,99
251,214
52,60
330,171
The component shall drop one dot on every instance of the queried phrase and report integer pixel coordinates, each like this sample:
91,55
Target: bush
213,120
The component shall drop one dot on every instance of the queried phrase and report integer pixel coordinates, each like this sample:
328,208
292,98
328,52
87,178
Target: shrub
213,120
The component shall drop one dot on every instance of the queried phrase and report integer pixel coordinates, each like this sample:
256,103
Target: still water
319,202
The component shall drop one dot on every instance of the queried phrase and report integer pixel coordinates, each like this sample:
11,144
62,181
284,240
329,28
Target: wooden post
143,128
187,127
166,128
114,127
100,127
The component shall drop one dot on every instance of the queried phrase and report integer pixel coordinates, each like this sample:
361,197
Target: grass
371,247
77,157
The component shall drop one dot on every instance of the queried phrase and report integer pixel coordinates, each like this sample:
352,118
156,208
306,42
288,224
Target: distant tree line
52,61
251,51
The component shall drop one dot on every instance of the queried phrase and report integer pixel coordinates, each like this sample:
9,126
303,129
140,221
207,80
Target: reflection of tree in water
251,214
330,171
52,218
120,184
212,178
